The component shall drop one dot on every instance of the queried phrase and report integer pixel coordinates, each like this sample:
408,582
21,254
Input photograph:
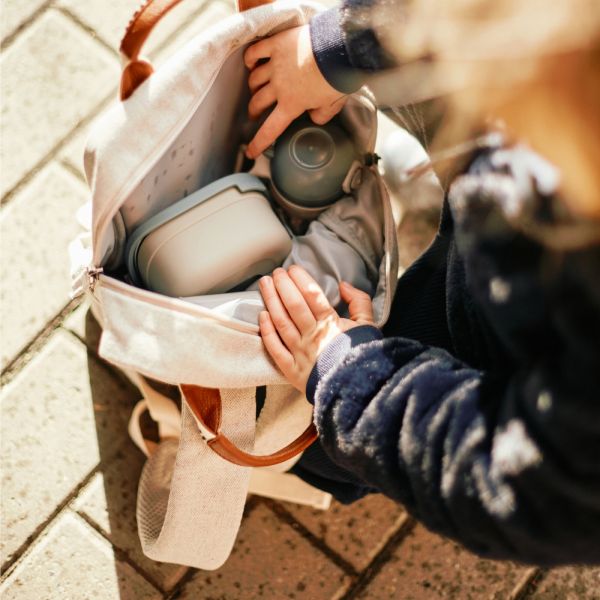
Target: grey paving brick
84,325
109,500
16,12
269,560
213,12
569,583
72,561
109,19
53,75
427,566
61,415
36,228
72,153
357,531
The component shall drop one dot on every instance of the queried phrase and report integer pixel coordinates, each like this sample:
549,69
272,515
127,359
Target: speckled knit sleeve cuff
330,52
336,350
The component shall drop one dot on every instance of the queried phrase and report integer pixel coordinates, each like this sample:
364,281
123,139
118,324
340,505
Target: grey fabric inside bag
337,247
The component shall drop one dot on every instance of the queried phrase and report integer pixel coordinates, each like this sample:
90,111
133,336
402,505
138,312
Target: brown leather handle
205,403
136,71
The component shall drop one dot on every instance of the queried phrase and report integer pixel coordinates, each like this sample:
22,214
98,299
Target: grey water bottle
309,165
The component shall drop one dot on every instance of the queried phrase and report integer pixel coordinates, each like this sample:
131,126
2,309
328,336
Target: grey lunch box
210,242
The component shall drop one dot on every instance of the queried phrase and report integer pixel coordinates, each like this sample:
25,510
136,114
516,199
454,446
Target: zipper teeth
175,303
390,228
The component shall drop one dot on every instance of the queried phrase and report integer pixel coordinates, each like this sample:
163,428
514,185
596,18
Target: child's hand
300,322
291,79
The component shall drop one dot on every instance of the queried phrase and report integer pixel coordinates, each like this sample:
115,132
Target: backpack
172,132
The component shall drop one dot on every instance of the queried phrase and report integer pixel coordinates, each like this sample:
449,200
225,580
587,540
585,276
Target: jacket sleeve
347,40
510,469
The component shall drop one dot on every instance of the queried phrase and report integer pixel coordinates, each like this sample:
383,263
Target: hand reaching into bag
300,322
283,71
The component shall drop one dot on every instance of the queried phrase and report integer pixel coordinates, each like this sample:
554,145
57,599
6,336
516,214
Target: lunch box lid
242,181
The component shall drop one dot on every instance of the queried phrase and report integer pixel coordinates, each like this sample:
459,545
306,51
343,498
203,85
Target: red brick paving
355,532
270,560
425,565
568,583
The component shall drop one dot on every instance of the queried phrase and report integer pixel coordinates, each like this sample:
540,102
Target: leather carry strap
205,404
136,71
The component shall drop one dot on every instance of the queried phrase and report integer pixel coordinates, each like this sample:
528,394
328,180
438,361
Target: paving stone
356,532
36,227
15,12
53,75
72,153
72,561
213,12
569,583
60,416
109,500
83,324
269,560
428,566
109,19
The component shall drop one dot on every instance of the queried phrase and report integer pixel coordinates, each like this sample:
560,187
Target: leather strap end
231,453
243,5
134,74
206,405
138,30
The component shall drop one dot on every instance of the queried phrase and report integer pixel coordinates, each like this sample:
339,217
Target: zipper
390,233
93,274
85,280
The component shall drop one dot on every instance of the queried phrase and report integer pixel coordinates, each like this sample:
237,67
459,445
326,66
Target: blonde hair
534,64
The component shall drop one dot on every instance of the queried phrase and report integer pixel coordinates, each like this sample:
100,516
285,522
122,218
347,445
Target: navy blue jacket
478,406
479,409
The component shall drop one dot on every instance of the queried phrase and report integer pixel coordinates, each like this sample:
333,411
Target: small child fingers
271,129
258,51
360,305
284,326
258,77
312,292
261,100
276,349
323,115
294,302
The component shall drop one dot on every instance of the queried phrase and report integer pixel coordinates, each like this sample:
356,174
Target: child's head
534,64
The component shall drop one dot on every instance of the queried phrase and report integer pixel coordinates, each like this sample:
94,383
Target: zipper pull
85,280
93,274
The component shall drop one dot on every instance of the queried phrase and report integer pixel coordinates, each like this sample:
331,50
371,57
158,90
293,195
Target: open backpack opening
179,131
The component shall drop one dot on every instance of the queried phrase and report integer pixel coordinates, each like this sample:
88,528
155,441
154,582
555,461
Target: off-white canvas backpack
172,132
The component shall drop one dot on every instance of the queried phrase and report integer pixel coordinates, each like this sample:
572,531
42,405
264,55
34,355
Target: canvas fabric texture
190,500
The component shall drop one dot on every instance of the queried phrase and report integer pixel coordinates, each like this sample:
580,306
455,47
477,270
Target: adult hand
283,71
300,322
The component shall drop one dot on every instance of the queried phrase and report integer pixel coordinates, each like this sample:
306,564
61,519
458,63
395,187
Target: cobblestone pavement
69,472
